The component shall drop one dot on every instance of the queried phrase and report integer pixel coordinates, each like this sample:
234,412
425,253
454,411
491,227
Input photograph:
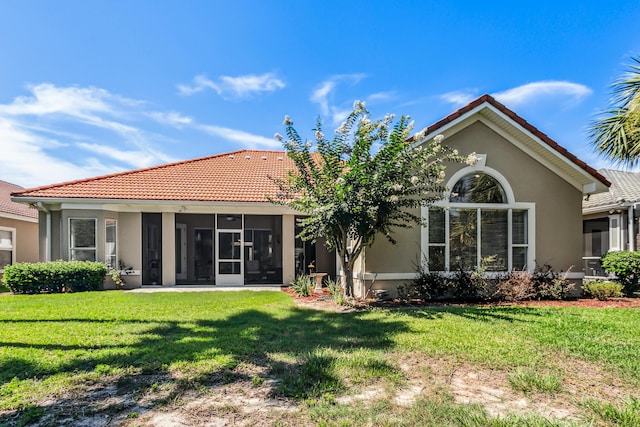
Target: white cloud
323,95
247,139
381,96
530,92
459,98
171,118
136,159
234,87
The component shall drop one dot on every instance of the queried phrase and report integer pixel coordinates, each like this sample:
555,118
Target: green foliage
626,266
602,290
626,414
616,134
472,285
54,277
529,381
426,286
336,291
302,285
549,284
364,182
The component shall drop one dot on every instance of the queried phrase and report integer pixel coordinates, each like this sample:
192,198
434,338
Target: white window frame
13,245
510,206
107,252
95,237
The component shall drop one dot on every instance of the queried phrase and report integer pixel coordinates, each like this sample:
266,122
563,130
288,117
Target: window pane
227,222
6,239
463,238
83,255
478,187
229,267
494,238
519,258
5,258
519,225
436,258
110,243
83,233
436,225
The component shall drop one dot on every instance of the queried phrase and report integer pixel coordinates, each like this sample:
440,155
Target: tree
364,182
616,135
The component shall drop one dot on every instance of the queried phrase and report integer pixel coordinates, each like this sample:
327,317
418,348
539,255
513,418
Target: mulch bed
324,297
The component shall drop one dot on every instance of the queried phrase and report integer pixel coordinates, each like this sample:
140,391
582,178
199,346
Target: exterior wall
26,239
288,248
558,205
130,245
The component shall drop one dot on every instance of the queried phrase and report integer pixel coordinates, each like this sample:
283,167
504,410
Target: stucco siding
558,204
26,239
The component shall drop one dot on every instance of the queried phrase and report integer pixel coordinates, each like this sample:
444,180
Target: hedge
54,277
626,266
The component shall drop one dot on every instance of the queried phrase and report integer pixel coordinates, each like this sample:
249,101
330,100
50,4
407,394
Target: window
7,246
82,239
110,248
480,221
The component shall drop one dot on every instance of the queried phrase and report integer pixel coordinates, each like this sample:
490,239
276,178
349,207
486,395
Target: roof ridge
128,172
486,98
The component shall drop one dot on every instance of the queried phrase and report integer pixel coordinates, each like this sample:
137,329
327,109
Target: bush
302,285
54,277
472,285
336,291
517,286
603,290
426,286
626,266
550,285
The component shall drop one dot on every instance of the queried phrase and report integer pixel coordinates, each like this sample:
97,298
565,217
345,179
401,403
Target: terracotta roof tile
9,207
240,176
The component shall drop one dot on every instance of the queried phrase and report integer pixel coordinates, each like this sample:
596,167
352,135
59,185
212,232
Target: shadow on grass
221,347
477,313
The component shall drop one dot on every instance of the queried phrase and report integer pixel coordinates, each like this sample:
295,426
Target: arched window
480,222
477,187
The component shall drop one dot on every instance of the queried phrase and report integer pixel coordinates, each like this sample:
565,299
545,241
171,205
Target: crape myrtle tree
616,133
363,183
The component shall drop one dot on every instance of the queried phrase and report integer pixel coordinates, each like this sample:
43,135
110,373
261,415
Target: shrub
550,285
426,286
54,277
602,290
626,266
336,291
517,286
473,285
302,285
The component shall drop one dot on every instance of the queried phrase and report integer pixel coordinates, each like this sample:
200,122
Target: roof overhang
528,141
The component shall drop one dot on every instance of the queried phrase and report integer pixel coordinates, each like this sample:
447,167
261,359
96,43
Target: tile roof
239,176
522,122
9,207
625,187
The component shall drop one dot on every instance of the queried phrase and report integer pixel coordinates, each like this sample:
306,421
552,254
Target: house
208,220
610,219
18,229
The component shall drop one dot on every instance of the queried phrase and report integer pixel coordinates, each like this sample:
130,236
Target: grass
57,348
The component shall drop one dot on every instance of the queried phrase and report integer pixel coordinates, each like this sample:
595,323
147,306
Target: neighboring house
18,229
208,220
610,219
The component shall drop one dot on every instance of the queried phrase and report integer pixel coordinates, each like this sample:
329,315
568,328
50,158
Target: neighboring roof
13,208
239,176
625,188
488,99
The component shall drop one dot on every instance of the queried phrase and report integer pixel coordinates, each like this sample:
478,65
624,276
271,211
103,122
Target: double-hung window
7,246
479,224
82,239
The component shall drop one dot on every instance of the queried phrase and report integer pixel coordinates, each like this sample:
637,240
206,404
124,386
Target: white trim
489,171
95,236
13,250
386,276
115,223
509,207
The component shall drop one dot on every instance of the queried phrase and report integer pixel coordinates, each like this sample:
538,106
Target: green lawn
57,351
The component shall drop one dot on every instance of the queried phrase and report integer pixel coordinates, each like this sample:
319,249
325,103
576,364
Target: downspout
630,229
47,246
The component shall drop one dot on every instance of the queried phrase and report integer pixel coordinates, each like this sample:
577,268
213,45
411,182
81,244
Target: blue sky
94,87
